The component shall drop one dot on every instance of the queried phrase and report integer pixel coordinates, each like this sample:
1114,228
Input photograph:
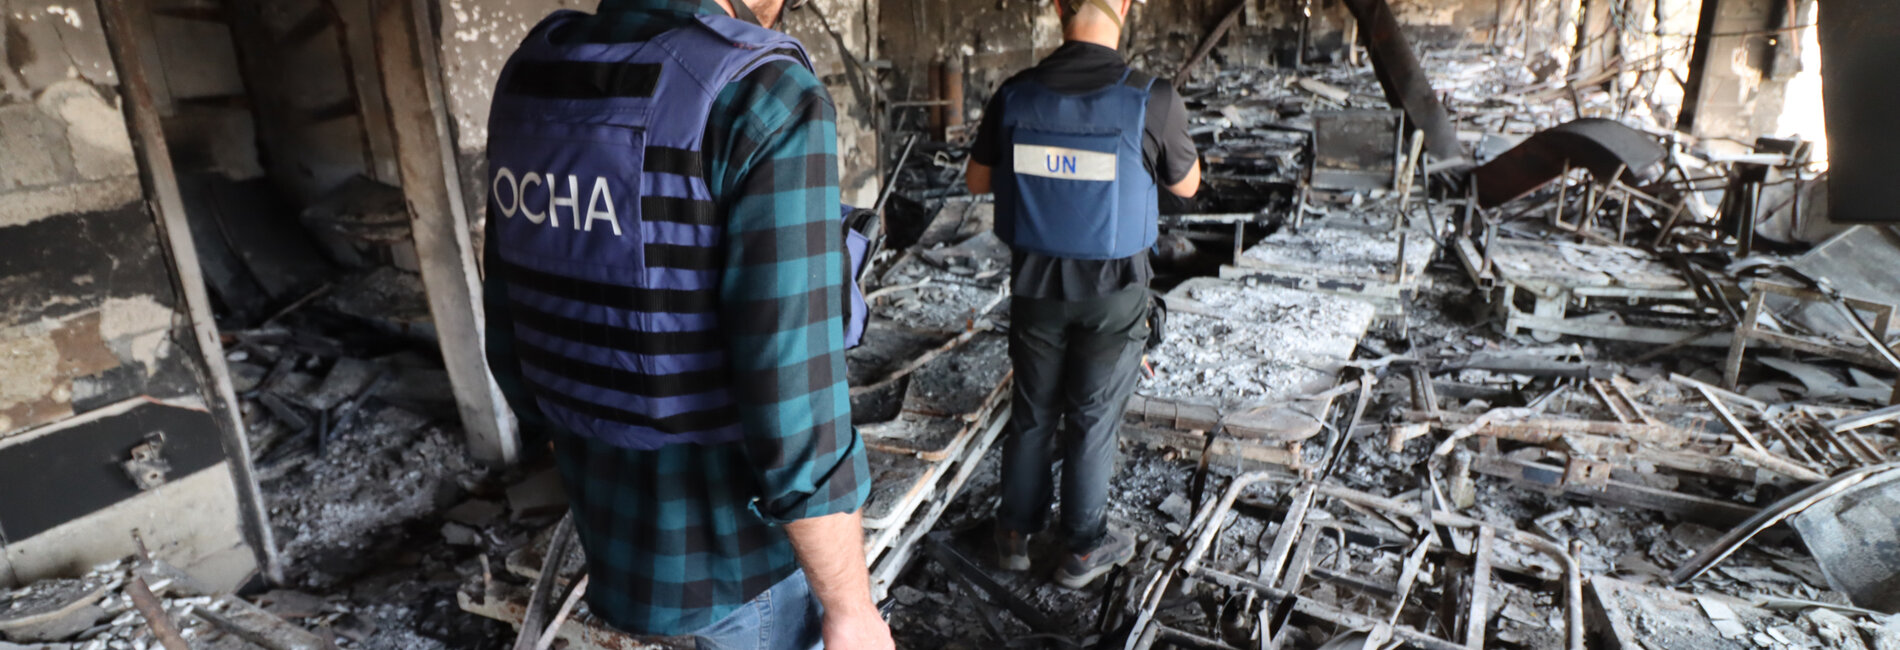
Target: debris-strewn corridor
1494,324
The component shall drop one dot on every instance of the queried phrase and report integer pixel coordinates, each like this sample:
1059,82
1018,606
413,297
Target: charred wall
477,36
839,35
1745,54
313,86
89,320
86,304
995,39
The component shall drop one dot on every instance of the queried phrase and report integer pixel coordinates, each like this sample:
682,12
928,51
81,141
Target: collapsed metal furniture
1288,410
1379,263
1876,353
1288,566
1553,277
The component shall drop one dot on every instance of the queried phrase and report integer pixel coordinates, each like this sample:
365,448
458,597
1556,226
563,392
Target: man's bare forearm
831,549
976,176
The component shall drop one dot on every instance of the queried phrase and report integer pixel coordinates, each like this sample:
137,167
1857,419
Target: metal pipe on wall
935,119
953,92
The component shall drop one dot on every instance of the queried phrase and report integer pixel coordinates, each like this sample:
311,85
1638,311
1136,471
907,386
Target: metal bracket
147,466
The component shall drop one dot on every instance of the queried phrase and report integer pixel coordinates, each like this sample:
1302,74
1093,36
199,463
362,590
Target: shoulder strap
556,19
753,37
1138,79
716,50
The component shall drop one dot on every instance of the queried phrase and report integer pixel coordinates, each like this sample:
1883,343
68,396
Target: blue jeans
785,617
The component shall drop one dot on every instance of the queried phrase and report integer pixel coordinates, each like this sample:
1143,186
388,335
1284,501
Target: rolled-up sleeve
782,305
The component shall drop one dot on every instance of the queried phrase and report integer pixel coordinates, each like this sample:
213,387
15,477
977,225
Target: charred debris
1461,353
1468,346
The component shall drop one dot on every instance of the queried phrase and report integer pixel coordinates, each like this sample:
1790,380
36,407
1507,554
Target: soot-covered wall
95,354
996,38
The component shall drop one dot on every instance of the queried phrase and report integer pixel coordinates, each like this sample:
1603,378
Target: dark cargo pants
1076,360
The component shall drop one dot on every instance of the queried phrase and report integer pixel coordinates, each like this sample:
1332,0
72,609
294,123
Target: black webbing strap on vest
743,12
1138,79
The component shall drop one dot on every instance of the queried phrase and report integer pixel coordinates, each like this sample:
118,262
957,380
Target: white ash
1610,260
1343,251
944,302
394,629
938,307
1269,345
115,623
387,293
390,469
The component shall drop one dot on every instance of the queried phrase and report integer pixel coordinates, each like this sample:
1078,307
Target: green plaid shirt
680,537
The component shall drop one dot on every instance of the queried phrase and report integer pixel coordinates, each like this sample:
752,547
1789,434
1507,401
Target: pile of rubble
375,508
146,605
346,448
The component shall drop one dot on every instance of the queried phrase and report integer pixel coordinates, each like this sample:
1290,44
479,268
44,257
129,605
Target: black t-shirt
1166,150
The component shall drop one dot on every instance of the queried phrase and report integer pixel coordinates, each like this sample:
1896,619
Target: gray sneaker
1078,570
1012,550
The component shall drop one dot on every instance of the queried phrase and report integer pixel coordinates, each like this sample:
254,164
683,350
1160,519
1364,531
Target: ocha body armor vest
610,241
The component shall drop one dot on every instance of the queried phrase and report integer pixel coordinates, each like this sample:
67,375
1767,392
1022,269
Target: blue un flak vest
609,239
1071,182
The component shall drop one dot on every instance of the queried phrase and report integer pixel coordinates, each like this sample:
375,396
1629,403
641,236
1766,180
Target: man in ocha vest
667,291
1074,149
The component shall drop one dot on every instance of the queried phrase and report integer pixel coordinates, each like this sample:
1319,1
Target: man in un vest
1074,149
666,292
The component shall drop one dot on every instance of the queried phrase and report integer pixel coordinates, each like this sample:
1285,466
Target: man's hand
864,630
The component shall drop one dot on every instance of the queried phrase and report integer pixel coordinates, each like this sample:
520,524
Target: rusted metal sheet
1291,421
1598,144
1405,83
1775,513
1545,430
